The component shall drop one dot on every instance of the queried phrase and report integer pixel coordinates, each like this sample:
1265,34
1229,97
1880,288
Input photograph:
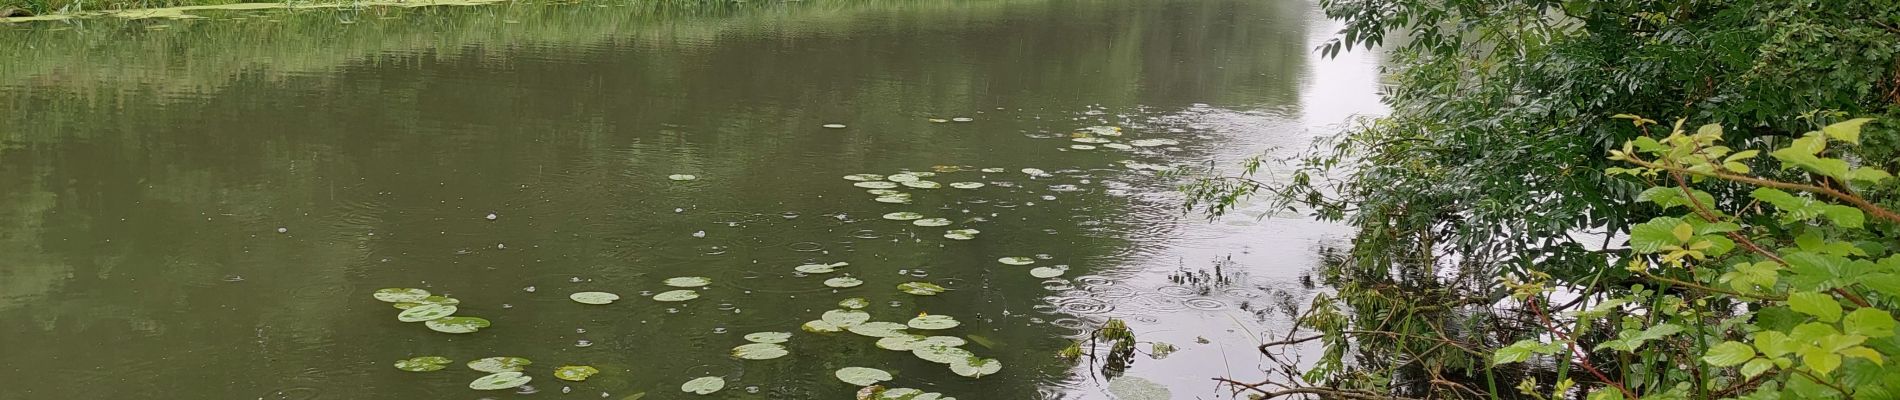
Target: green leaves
1523,350
1818,305
1631,339
1869,322
1728,354
1652,236
1846,131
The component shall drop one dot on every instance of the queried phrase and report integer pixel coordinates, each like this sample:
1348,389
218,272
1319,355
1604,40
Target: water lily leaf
425,312
1016,260
820,326
902,198
423,364
993,170
903,177
596,298
901,343
676,295
400,295
854,303
845,318
1132,388
499,381
1048,272
876,185
931,222
1034,171
944,341
443,300
760,351
921,174
967,185
920,184
962,119
575,373
682,177
1154,142
768,337
900,394
499,364
903,216
885,192
820,268
864,177
939,120
878,329
457,324
1082,147
942,354
688,281
960,234
843,282
920,288
1093,140
828,126
933,322
862,376
1118,146
704,385
976,367
1103,130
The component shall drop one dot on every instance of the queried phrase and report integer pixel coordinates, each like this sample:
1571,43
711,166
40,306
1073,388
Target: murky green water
202,208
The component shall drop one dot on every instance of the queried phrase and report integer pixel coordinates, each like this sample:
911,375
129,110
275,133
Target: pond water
204,208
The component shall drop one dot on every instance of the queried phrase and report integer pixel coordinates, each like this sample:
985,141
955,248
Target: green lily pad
1047,272
1118,146
682,177
1016,260
900,394
820,326
845,318
575,373
1092,140
457,324
861,376
920,184
1133,388
827,126
854,303
876,185
499,364
676,295
447,301
960,234
688,281
944,341
902,216
901,343
423,364
901,198
704,385
1034,171
976,367
843,282
1154,142
768,337
942,354
878,329
1103,130
993,170
760,351
500,380
967,185
931,222
400,295
933,322
596,298
920,288
820,268
962,119
1082,147
884,192
903,177
863,177
425,312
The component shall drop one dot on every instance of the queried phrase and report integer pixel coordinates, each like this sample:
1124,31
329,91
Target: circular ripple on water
1084,306
805,246
1113,292
1094,281
1245,293
1204,304
1071,323
1154,303
866,234
1178,291
1143,319
295,393
1057,284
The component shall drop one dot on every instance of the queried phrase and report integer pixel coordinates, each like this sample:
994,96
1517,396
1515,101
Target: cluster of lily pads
503,372
687,283
435,312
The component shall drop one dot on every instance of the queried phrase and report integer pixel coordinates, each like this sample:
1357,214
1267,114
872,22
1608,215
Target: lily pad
443,300
993,170
1153,142
682,177
843,282
499,364
704,385
962,119
423,364
676,295
1133,388
768,337
920,288
960,234
902,216
425,312
923,184
901,198
820,326
845,318
1095,140
1034,171
688,281
575,373
400,295
863,177
854,303
596,298
876,185
1016,260
1103,130
820,268
1117,146
760,351
900,394
903,177
861,376
884,192
833,126
942,354
901,343
931,222
500,380
933,322
967,185
1048,272
976,367
457,324
1082,147
944,341
878,329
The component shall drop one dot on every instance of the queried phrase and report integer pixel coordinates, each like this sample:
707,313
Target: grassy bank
46,7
